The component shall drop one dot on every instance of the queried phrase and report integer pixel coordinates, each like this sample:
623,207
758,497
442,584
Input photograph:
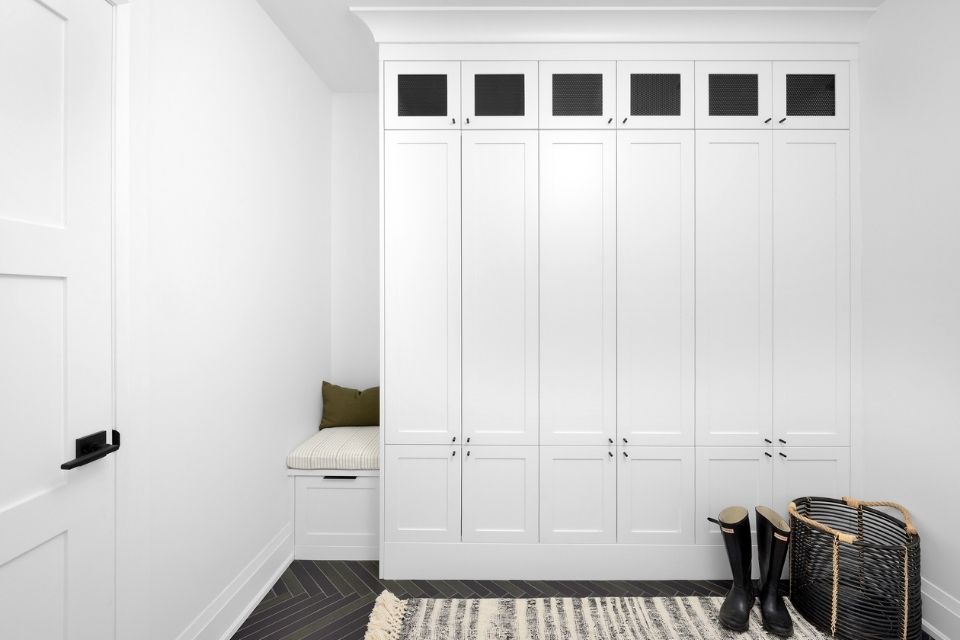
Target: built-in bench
336,477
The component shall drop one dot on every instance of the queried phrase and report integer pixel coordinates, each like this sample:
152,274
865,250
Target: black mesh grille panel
810,94
422,94
498,94
654,94
578,94
733,94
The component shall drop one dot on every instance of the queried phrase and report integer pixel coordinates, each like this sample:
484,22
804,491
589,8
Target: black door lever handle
92,447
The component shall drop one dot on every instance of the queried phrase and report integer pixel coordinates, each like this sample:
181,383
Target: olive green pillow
343,407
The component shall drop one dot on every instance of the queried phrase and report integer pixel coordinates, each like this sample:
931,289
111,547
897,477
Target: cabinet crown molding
733,24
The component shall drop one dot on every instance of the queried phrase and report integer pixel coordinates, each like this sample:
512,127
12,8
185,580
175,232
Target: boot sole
780,633
742,629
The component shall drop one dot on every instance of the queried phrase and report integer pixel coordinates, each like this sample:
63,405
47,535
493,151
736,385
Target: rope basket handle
907,518
847,538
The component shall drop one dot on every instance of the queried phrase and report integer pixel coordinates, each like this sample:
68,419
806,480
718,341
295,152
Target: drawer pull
339,477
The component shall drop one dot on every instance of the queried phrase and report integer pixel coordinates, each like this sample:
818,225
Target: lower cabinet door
655,495
731,477
422,493
500,494
578,489
809,471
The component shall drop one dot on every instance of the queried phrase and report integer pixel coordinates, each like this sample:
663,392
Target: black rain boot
773,540
735,527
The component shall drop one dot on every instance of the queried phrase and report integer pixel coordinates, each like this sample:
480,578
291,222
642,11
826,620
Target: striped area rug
691,618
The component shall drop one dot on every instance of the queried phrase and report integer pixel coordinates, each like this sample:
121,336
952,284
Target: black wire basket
855,570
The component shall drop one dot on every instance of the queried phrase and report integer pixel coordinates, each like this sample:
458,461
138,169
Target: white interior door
578,494
811,288
578,287
655,95
655,495
811,95
421,393
500,287
422,493
734,95
728,477
655,287
501,488
734,290
57,544
809,471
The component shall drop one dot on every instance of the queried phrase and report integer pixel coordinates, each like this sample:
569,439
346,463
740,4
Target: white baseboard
222,617
318,552
941,612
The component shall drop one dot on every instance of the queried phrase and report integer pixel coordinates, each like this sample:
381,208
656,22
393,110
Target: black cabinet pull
468,120
768,440
468,440
767,453
468,454
92,447
783,120
625,441
339,477
624,121
610,453
767,121
453,121
783,455
610,120
610,440
454,454
454,439
782,441
625,455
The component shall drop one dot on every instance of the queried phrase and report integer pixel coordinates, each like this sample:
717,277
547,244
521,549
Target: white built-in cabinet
500,267
578,494
421,330
617,298
578,287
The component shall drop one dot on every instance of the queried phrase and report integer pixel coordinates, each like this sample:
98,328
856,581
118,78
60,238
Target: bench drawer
336,517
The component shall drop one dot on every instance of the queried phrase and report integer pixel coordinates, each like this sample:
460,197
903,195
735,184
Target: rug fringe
386,618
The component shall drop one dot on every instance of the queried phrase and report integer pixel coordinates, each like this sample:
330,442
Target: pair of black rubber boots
773,539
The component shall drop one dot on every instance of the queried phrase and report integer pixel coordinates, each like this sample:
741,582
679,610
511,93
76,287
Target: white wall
911,280
225,320
355,245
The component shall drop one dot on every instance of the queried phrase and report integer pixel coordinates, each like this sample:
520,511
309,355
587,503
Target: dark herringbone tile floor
332,600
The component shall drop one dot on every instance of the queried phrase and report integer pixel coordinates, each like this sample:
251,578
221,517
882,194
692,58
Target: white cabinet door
655,495
421,392
655,95
501,494
811,288
811,95
734,95
500,95
422,493
500,292
578,494
810,471
578,238
728,477
578,95
421,95
655,287
734,271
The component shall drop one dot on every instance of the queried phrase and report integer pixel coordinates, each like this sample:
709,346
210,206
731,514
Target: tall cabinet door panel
578,94
655,95
500,95
734,306
811,288
421,95
727,477
655,287
811,95
655,495
810,471
500,292
501,494
422,493
578,494
422,286
734,95
577,287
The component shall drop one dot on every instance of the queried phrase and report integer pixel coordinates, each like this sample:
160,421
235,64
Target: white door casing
656,494
734,290
501,486
500,287
578,280
655,287
57,542
422,287
578,488
422,493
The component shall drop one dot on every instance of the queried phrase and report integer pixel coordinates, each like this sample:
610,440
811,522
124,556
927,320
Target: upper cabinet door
421,95
421,235
811,95
500,293
655,95
734,95
577,95
499,95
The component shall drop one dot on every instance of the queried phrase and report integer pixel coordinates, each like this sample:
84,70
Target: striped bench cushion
339,448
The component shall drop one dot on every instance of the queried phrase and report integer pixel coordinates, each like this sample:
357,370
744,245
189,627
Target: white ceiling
340,48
